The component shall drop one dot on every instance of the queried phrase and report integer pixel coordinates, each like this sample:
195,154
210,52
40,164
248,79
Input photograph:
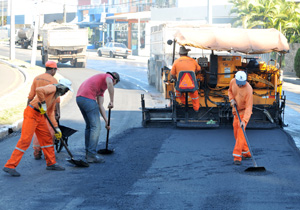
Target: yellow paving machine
258,52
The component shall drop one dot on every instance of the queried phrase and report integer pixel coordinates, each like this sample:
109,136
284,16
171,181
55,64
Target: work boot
37,154
246,157
55,167
237,162
11,171
94,159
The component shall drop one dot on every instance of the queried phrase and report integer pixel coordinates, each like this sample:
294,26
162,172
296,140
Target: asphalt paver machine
258,52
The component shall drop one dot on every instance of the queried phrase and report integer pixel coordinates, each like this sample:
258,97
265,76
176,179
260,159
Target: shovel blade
105,151
79,163
255,169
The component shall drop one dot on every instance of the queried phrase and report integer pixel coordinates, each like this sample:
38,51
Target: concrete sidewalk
16,100
290,77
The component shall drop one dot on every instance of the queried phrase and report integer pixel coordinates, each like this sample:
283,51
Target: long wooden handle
253,160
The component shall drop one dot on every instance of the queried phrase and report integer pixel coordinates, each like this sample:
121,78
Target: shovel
106,151
255,168
79,163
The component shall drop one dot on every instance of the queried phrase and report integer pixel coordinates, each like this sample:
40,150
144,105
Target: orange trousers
241,147
194,96
35,143
33,122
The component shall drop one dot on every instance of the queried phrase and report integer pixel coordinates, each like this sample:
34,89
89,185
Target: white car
113,49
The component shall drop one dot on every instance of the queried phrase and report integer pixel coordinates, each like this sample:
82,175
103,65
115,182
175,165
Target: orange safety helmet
51,64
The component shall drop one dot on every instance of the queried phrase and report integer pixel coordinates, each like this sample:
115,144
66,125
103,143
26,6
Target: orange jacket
243,97
184,63
46,93
39,81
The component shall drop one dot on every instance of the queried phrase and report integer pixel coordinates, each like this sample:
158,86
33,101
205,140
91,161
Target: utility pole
12,54
2,20
35,35
209,11
103,20
65,12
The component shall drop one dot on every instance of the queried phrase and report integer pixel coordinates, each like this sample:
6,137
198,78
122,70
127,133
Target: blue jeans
91,114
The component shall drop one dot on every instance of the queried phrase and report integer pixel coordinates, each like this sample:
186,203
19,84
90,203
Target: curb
5,130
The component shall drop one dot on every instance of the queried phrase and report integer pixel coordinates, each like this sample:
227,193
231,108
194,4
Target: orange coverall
40,81
244,102
34,121
185,63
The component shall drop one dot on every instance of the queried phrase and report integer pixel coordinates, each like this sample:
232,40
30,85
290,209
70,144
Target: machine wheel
99,53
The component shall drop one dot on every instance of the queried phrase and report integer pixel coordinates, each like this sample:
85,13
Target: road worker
240,94
90,99
35,122
185,63
44,79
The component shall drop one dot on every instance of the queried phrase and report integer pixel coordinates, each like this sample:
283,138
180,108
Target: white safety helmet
240,78
66,83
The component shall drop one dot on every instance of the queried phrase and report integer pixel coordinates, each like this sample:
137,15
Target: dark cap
115,75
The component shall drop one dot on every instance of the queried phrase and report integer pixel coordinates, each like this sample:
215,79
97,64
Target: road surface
153,168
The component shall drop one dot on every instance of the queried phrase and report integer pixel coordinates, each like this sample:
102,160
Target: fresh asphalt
154,168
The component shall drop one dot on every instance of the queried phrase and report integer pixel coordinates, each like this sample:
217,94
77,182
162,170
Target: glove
58,133
43,107
232,102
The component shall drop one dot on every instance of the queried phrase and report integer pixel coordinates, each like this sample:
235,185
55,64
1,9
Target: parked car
113,49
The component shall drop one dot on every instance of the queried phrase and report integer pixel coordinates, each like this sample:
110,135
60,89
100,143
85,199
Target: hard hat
240,78
115,75
67,83
51,64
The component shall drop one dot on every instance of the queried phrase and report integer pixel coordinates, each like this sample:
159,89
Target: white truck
64,43
161,53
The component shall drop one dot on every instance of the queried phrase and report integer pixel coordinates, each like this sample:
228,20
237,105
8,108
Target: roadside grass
12,115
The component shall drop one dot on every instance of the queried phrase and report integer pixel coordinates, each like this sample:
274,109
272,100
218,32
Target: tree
297,63
279,14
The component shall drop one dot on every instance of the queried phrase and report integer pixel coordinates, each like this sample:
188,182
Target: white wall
197,3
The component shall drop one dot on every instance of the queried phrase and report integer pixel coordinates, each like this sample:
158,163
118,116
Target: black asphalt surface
164,168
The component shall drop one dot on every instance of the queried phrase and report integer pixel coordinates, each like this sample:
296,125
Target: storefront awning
92,24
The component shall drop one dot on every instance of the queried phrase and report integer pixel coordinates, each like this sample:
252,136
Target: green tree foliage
297,63
280,14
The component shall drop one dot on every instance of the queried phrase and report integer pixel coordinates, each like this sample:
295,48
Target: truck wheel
125,57
44,58
24,45
111,54
150,78
80,65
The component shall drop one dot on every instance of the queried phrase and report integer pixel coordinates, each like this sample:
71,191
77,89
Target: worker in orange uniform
35,121
44,79
185,63
240,94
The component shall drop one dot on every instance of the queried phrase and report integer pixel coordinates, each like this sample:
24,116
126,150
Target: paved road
154,168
